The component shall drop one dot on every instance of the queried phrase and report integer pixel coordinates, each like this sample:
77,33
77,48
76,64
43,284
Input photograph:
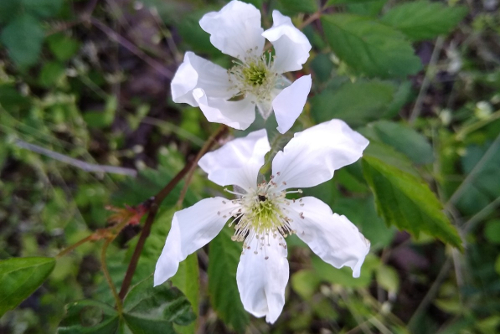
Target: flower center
262,214
255,76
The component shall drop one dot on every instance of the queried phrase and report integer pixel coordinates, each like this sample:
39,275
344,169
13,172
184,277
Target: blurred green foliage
419,79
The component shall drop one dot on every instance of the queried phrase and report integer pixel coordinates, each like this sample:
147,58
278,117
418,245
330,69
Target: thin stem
458,193
310,19
132,48
475,126
427,80
158,199
75,162
75,245
222,129
119,306
431,293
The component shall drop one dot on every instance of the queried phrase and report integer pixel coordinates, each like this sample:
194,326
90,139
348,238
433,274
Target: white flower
230,96
262,215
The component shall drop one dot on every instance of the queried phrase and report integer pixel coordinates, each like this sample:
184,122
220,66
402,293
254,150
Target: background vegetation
84,88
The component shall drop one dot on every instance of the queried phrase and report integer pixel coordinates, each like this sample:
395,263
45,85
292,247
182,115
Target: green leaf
149,309
343,2
405,140
363,214
484,185
305,282
11,99
423,19
388,278
355,103
9,9
343,276
224,258
50,74
298,6
62,46
492,231
370,47
146,310
42,8
367,8
20,277
104,118
187,279
89,316
191,33
23,39
407,202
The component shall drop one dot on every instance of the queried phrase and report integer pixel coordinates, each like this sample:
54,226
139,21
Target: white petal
311,156
196,72
262,282
289,103
192,228
291,45
236,114
237,162
235,30
333,238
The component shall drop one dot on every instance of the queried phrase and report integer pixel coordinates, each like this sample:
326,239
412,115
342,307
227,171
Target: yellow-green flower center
254,77
255,74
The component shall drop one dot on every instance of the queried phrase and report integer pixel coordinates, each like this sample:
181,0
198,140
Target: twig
118,301
132,48
202,152
468,225
75,245
491,151
431,293
75,162
427,80
158,199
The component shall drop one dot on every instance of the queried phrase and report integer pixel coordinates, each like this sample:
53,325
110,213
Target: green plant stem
75,245
209,143
477,125
158,199
119,306
470,177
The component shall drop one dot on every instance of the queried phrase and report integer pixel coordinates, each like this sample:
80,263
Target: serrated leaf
146,310
343,2
23,39
149,309
20,277
224,259
354,102
407,202
405,140
423,19
368,8
370,47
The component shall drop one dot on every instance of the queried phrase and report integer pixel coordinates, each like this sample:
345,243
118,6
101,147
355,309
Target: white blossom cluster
259,211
